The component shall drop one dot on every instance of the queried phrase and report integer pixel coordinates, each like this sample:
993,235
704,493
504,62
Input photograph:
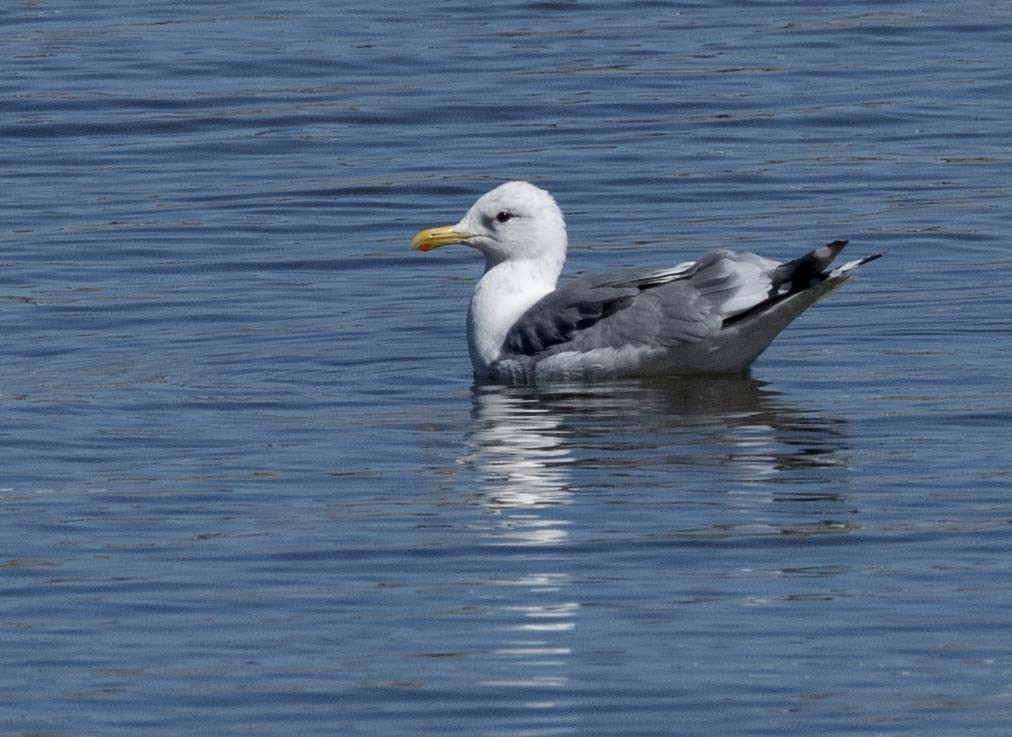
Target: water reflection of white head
520,457
520,463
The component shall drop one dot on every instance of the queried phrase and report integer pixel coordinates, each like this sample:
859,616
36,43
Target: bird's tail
802,274
845,269
811,269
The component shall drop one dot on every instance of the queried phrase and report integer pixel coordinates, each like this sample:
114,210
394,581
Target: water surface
249,486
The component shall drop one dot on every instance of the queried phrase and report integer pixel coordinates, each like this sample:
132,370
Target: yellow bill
431,238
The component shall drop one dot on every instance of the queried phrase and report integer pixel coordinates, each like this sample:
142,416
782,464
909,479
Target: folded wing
665,308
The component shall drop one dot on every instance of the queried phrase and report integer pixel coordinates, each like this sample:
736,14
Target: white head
515,221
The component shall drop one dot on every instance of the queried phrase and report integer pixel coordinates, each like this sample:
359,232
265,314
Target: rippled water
248,487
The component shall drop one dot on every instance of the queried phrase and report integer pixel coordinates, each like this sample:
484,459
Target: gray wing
661,307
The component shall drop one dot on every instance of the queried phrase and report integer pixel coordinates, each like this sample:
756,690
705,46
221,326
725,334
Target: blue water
247,485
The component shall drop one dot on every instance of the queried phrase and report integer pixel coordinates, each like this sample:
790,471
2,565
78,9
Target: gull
711,316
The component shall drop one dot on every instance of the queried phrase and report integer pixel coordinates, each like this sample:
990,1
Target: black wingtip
802,272
826,253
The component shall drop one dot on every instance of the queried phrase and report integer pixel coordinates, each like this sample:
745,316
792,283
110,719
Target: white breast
503,294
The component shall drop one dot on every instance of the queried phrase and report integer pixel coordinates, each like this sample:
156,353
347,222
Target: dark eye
503,216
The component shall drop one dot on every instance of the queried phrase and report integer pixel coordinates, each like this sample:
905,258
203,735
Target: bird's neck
504,293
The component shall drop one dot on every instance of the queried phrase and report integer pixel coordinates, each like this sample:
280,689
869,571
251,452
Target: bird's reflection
519,455
531,454
529,448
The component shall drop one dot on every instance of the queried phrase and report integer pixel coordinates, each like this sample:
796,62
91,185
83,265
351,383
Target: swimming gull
711,316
